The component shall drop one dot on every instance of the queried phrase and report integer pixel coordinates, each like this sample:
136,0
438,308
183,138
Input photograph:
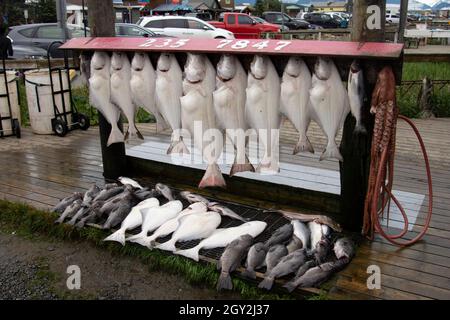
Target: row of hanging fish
303,249
224,98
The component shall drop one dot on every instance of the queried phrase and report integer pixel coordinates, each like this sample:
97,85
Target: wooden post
424,99
403,20
101,22
355,149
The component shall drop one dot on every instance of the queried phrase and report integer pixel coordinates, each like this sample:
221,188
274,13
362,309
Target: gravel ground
36,269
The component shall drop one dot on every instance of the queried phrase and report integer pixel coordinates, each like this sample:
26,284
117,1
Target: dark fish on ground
84,210
231,259
70,211
290,286
91,194
294,244
344,248
110,186
287,265
93,216
274,256
145,194
224,211
109,206
67,201
121,212
165,191
281,235
311,217
192,197
255,259
106,194
322,249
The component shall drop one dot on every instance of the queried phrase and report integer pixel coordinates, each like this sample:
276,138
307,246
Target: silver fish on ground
344,248
355,89
262,110
83,211
167,94
165,191
106,194
310,217
131,182
108,186
93,191
294,100
93,215
294,244
121,91
290,286
329,100
229,107
255,259
142,84
100,94
322,250
224,211
198,116
316,233
302,232
274,256
192,197
231,259
121,212
67,201
281,235
70,211
287,265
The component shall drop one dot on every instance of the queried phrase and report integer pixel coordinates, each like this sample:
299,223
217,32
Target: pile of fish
226,97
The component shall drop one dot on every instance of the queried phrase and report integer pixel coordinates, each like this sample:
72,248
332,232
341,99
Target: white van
392,18
183,27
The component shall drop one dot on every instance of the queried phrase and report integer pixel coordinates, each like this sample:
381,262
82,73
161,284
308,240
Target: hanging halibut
355,88
197,107
262,108
329,100
229,106
121,91
100,94
168,90
142,83
294,100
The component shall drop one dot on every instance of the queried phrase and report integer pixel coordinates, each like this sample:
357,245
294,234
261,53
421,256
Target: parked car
244,26
205,16
183,27
261,20
338,17
392,18
323,20
281,18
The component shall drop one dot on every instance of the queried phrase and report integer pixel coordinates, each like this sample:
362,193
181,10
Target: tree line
12,12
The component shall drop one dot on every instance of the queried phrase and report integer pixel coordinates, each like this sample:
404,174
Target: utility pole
61,13
355,148
101,22
403,20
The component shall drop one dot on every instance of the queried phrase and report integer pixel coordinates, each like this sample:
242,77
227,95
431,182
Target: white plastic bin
13,98
40,102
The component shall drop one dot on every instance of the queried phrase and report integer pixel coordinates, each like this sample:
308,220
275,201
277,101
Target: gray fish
84,210
67,201
91,194
281,235
110,186
344,247
192,197
322,249
165,191
93,215
121,212
231,259
224,211
255,259
317,275
109,206
288,264
290,286
106,194
294,244
274,256
131,182
70,211
145,194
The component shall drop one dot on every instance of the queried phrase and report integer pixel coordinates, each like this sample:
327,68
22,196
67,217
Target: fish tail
267,284
360,129
178,146
141,241
133,131
290,286
331,151
303,145
241,167
249,273
268,167
118,236
212,177
167,246
59,220
135,237
80,224
115,136
224,282
189,253
72,221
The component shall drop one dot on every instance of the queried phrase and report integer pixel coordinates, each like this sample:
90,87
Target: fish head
355,66
246,239
99,60
258,67
138,62
117,60
161,187
293,67
226,68
322,68
164,62
344,247
195,69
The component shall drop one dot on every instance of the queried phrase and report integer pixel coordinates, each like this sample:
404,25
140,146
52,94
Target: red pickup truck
244,26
